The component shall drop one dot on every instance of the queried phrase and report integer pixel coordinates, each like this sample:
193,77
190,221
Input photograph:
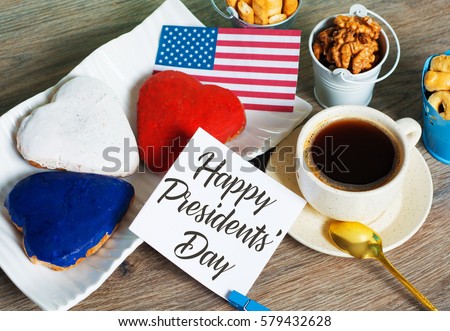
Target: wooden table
41,41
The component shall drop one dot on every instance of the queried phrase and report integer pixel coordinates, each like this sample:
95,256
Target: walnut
364,59
351,43
324,44
348,50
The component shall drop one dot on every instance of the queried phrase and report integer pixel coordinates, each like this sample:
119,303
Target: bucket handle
361,11
230,11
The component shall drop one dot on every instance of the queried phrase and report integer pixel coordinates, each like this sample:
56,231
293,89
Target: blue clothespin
241,302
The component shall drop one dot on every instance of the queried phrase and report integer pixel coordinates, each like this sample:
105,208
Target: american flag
259,65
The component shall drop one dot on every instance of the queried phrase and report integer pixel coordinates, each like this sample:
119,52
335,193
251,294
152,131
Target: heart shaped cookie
67,216
83,129
172,106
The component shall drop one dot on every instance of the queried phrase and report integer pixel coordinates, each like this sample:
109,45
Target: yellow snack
246,12
440,63
441,102
265,8
289,7
437,81
277,18
264,12
232,3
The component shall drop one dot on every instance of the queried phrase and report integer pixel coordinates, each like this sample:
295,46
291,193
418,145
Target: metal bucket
340,86
232,15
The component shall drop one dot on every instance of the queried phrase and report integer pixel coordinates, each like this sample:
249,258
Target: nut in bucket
270,14
351,43
348,51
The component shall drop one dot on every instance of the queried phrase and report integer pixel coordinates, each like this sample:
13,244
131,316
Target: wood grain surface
41,41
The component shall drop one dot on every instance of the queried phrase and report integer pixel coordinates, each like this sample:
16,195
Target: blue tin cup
436,130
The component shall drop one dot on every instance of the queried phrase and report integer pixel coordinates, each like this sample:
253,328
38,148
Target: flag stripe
269,95
267,101
230,80
260,37
274,78
272,32
255,69
259,88
256,63
248,50
262,57
275,108
269,44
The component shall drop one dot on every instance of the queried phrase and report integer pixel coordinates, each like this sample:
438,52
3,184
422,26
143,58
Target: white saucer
397,224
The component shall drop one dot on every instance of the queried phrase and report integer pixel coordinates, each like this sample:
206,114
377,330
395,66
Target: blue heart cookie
67,216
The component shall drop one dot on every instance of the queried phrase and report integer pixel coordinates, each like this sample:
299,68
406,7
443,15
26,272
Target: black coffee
353,154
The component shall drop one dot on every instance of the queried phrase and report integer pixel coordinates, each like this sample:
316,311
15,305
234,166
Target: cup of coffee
352,161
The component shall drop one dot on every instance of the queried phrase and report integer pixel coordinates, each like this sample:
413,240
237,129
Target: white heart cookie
83,129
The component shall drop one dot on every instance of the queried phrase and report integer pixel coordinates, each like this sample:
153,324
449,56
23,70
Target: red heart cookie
172,106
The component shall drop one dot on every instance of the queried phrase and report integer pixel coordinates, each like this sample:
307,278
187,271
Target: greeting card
216,216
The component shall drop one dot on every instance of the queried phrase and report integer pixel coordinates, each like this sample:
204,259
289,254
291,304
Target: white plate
397,224
123,63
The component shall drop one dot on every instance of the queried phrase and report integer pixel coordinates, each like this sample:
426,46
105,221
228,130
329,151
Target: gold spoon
362,242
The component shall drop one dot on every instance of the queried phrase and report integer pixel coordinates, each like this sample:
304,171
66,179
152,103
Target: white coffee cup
348,205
